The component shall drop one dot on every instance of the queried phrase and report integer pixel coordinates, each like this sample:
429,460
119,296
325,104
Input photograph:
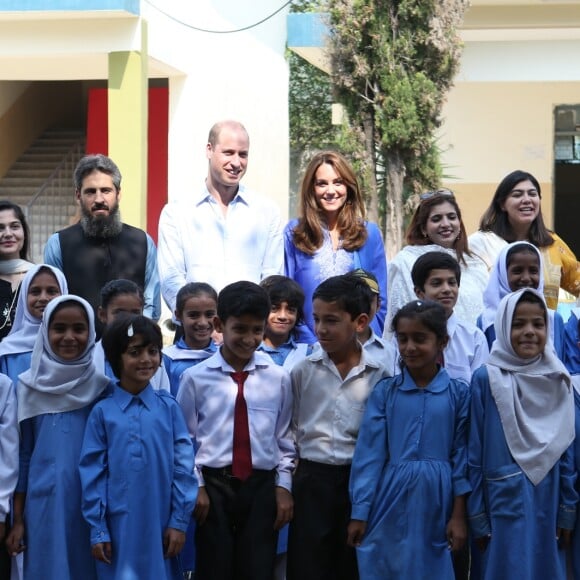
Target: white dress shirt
198,243
207,395
328,409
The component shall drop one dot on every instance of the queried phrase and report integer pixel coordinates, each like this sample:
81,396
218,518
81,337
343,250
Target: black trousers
317,548
238,540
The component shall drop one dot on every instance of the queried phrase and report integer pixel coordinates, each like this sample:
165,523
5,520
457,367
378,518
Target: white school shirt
327,409
9,440
207,396
466,350
198,243
383,351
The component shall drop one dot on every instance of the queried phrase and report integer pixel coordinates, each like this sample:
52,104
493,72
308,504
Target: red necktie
242,451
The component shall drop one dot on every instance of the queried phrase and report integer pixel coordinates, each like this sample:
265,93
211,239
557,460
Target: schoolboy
238,405
378,348
437,276
330,387
286,311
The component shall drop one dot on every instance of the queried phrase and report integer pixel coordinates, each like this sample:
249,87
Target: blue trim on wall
131,6
307,29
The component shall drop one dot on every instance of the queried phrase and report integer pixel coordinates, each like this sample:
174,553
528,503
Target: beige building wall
491,129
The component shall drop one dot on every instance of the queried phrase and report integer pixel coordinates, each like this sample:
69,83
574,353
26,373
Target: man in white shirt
225,233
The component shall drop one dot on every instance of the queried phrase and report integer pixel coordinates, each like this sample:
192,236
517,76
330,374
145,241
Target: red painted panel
97,122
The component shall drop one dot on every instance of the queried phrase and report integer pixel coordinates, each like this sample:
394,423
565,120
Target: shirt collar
438,384
259,359
206,196
289,344
322,356
123,398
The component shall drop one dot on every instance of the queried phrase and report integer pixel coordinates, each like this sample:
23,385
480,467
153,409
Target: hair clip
130,331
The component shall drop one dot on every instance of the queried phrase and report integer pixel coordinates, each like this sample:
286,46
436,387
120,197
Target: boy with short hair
286,312
436,276
378,348
238,405
330,388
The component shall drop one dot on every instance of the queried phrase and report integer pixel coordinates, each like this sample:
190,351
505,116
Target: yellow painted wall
493,128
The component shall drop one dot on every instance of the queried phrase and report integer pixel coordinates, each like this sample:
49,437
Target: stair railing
52,207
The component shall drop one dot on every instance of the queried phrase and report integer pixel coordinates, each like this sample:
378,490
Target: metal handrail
52,207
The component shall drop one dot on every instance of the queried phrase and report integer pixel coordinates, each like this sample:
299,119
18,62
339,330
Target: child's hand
456,533
173,541
102,552
285,507
355,532
201,506
564,537
482,543
14,541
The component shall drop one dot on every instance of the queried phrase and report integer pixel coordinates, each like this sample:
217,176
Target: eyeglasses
441,192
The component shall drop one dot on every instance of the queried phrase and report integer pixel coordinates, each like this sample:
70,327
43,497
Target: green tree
393,62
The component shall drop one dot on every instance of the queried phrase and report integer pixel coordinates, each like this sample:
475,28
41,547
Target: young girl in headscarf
41,284
521,466
518,265
55,397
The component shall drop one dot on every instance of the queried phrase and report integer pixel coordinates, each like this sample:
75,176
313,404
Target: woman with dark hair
437,226
331,236
515,214
14,263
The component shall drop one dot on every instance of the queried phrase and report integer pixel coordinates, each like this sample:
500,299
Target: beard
102,226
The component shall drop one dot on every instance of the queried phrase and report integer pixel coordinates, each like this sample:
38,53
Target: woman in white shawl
521,465
437,226
55,398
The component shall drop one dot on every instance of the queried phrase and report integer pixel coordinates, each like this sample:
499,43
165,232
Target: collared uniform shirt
466,350
328,409
207,395
384,352
198,243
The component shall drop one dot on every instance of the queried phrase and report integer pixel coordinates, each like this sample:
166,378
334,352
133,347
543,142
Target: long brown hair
308,235
496,220
415,235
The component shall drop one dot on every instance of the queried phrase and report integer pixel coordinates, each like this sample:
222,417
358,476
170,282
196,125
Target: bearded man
100,247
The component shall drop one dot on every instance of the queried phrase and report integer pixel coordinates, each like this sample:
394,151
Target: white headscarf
24,330
533,397
497,285
53,385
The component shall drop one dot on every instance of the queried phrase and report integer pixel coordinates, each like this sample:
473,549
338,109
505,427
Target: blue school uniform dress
57,536
136,470
13,365
521,517
55,398
521,462
179,357
409,463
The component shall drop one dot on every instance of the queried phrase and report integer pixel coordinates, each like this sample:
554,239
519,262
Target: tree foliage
393,62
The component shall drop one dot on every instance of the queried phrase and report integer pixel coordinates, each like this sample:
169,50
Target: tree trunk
395,174
372,195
